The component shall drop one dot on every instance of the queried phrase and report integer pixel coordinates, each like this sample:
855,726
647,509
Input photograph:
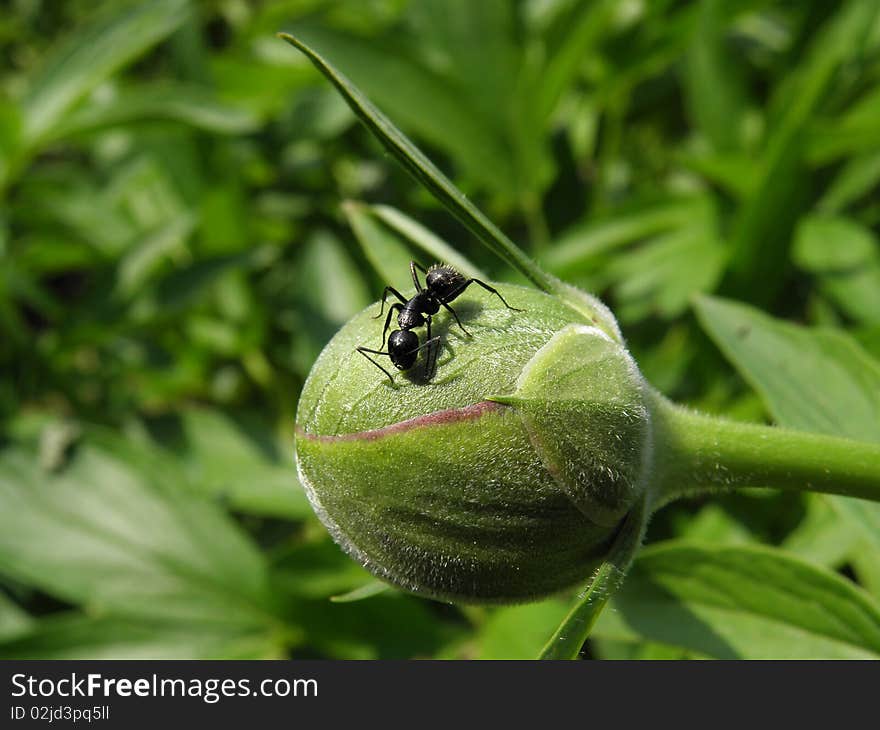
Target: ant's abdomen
403,349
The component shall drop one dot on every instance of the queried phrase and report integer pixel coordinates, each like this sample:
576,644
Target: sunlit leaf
815,380
106,532
237,460
77,636
742,603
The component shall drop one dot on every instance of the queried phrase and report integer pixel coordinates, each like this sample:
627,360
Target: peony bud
502,471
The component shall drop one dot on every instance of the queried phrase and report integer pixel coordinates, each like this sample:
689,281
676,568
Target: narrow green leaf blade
373,588
93,53
433,102
425,172
420,237
382,248
185,103
713,87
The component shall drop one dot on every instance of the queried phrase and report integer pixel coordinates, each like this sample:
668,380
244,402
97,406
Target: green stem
575,629
698,454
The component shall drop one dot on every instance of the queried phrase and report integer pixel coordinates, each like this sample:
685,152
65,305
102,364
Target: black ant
442,285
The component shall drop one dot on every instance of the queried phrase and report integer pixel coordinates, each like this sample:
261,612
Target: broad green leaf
184,286
867,569
192,105
822,537
456,37
851,134
712,524
742,603
86,213
331,281
609,649
863,519
236,459
814,380
734,173
661,277
388,626
114,531
76,636
518,632
112,39
318,569
149,251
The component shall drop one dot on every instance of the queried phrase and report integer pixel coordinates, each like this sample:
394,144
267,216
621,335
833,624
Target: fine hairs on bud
504,474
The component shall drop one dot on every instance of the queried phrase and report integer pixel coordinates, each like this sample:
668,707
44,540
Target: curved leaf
742,603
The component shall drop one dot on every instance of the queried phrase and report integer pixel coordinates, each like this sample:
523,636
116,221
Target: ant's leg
385,296
394,308
452,312
428,338
412,270
426,343
487,288
364,350
432,351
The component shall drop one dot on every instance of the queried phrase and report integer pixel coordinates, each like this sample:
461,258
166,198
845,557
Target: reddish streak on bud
437,418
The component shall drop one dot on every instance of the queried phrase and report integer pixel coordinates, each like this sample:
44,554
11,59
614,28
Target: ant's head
443,281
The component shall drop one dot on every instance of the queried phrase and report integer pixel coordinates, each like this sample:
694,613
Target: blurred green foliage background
188,211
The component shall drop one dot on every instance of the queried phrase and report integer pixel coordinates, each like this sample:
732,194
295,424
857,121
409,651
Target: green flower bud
500,474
